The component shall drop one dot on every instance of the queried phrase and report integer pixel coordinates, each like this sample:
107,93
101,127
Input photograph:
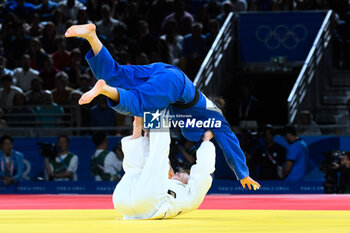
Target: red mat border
220,202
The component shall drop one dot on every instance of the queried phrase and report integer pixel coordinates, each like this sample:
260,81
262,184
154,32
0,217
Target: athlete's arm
133,149
200,178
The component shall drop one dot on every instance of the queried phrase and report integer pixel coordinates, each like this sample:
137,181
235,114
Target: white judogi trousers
142,193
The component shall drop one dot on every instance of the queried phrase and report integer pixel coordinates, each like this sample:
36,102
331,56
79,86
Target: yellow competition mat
104,221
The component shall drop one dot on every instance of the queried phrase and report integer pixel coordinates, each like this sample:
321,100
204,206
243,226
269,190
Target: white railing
215,54
307,73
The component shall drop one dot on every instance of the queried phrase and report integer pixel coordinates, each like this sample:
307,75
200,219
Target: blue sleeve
292,153
20,166
234,155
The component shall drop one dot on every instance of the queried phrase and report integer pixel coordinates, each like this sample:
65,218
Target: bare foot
95,91
86,31
208,135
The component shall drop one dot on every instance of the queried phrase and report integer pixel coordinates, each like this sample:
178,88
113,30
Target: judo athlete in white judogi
148,189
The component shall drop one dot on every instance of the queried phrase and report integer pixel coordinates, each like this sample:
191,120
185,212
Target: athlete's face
182,177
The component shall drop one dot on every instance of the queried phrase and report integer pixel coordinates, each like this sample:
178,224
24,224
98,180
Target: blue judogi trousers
147,88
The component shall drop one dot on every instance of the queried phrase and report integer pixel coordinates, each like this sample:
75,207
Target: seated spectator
35,95
84,109
37,54
11,162
213,28
105,26
62,91
193,50
174,41
70,8
161,53
203,18
132,19
123,42
48,37
46,10
343,121
213,8
35,27
20,115
306,125
48,74
24,75
75,68
253,5
239,5
3,69
269,158
145,40
275,5
226,9
183,18
82,17
101,115
76,112
16,45
158,11
22,10
85,83
58,20
8,92
105,164
61,57
49,115
297,155
64,166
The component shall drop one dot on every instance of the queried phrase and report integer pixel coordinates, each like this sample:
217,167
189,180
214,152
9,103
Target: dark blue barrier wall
84,148
81,146
266,35
218,187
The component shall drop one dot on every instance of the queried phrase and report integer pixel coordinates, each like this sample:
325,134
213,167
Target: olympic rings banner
266,35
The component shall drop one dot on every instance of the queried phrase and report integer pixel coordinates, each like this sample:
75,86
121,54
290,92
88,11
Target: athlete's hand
250,182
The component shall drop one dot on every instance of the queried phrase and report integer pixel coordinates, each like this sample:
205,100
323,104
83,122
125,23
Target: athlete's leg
100,60
88,32
100,88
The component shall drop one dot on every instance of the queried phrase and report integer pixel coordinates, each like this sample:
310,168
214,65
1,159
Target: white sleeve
134,158
200,178
73,165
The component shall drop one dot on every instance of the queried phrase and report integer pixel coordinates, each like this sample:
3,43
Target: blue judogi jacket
147,88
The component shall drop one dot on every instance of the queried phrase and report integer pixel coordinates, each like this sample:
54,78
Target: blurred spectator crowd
43,74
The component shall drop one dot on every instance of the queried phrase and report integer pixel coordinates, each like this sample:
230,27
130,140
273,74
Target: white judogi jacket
143,191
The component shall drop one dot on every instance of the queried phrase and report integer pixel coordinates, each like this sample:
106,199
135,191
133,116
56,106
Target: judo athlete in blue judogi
135,89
